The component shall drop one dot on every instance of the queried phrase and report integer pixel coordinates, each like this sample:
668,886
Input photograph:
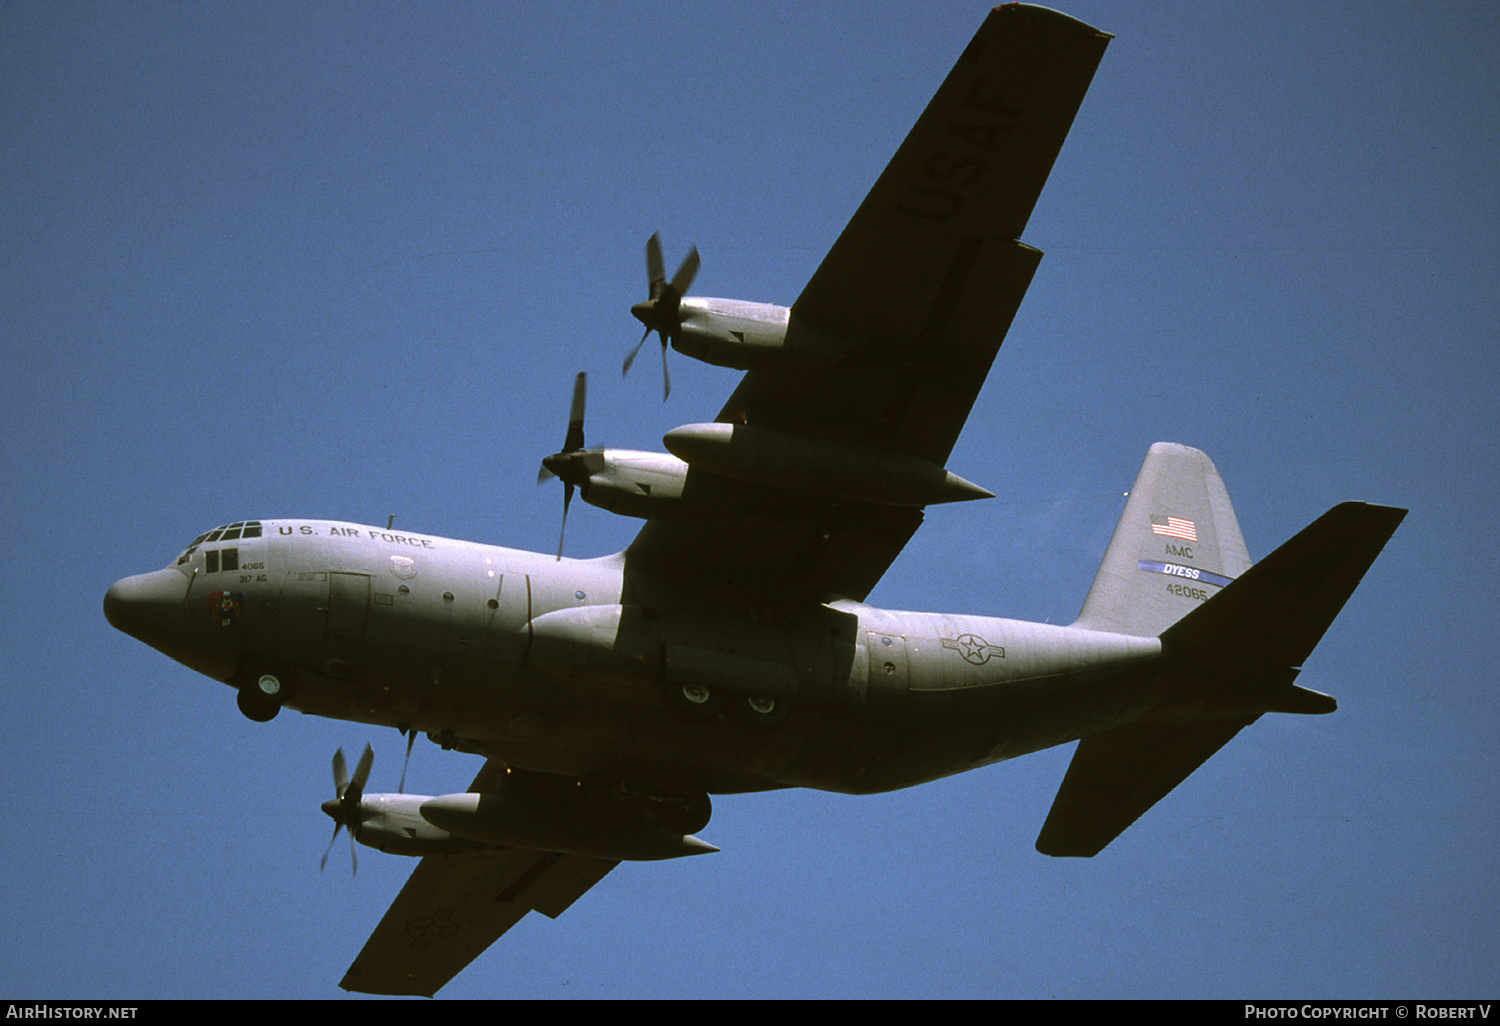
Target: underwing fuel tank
853,472
571,828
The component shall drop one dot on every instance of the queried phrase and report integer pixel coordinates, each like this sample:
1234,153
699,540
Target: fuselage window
230,559
211,561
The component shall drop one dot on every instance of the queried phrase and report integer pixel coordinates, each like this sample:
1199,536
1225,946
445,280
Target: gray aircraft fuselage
559,666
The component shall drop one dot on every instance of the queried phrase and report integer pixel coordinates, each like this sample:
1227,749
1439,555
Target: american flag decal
1174,527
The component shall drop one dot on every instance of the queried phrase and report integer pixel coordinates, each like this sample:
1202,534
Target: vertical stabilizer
1177,544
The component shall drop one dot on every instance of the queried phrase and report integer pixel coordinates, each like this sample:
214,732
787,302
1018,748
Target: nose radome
146,606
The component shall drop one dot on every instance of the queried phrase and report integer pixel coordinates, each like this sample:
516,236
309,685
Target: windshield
228,532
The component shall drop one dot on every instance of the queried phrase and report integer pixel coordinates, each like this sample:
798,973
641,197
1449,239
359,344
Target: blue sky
342,261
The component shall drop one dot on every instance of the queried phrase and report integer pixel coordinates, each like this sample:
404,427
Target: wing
455,906
897,329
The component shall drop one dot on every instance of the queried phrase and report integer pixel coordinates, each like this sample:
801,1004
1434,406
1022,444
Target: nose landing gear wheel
269,686
262,690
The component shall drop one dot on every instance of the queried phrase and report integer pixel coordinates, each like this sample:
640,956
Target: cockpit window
215,560
230,561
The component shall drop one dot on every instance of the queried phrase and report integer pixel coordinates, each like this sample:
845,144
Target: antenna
389,520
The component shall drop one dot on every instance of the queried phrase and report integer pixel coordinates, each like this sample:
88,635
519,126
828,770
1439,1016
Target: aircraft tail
1230,656
1176,544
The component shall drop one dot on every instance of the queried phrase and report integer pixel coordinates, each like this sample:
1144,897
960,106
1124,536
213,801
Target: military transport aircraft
729,647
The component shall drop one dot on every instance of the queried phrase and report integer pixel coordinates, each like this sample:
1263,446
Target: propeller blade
411,737
324,862
666,379
340,774
562,532
686,272
573,440
631,358
656,275
361,774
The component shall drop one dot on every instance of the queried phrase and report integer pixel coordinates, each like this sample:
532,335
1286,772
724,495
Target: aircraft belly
579,691
939,710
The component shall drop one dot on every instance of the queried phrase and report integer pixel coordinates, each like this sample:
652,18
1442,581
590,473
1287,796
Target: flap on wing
453,907
1117,775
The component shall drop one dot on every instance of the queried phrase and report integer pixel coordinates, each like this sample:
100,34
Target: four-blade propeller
572,464
662,312
344,809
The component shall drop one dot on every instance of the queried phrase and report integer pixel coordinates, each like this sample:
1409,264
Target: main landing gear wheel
693,702
760,711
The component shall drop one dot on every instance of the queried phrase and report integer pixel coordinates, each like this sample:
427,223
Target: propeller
344,809
572,464
662,312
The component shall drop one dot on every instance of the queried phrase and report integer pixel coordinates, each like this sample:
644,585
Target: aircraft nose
147,606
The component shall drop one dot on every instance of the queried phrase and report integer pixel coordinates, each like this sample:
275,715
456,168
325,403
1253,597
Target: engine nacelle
732,333
631,483
393,823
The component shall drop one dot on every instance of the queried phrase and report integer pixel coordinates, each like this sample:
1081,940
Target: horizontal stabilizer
1276,612
1117,775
